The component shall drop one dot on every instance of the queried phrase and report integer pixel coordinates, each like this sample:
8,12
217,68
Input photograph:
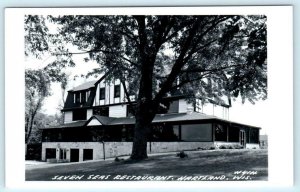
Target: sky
275,115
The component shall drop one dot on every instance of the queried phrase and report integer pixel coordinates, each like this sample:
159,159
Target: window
220,132
233,134
102,93
103,111
87,154
77,97
254,135
117,91
62,153
165,132
87,95
83,97
79,114
50,153
113,133
130,110
196,132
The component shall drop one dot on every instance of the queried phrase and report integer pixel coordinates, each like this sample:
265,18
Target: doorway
50,153
87,154
74,156
243,138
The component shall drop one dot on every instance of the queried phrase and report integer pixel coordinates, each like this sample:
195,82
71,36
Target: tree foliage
37,86
207,57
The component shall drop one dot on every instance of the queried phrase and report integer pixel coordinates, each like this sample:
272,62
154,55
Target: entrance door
243,138
50,153
74,156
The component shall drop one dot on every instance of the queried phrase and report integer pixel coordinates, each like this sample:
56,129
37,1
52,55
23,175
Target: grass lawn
198,166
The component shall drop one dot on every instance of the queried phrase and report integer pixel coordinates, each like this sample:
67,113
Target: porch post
227,133
213,127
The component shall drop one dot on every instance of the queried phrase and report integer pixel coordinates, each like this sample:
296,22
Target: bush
182,154
117,159
223,147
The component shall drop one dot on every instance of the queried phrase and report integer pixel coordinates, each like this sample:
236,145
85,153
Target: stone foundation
115,149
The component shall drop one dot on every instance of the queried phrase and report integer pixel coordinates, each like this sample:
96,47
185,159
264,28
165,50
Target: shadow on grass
216,162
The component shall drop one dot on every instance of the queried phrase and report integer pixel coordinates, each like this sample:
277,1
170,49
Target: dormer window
117,91
77,97
83,97
80,97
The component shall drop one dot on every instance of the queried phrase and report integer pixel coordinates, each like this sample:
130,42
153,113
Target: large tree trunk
144,116
139,147
145,111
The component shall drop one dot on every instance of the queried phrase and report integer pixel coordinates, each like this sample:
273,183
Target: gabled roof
67,125
102,119
84,86
159,118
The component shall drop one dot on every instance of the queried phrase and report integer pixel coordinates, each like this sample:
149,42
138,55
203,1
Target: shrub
181,154
223,147
212,148
117,159
237,146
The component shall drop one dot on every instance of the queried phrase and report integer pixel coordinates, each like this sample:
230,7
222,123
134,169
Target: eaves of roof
160,118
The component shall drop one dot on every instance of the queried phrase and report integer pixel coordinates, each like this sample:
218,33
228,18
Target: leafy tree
42,120
37,82
37,86
207,57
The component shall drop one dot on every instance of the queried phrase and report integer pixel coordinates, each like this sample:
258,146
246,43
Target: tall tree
37,82
37,86
207,57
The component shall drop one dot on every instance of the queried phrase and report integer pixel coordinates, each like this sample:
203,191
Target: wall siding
109,94
94,122
89,113
183,105
174,107
68,116
117,111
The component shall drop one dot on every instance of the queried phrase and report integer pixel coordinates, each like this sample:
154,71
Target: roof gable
84,86
93,122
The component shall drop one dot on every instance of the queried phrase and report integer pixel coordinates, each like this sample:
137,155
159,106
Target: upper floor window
83,97
80,97
77,97
130,110
79,114
102,93
103,111
117,91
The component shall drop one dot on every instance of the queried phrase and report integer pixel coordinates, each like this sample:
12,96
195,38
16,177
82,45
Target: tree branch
200,70
178,64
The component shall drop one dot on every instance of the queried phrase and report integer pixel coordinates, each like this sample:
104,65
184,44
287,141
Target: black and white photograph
146,97
157,105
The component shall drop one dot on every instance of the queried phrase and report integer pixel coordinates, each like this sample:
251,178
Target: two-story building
98,123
